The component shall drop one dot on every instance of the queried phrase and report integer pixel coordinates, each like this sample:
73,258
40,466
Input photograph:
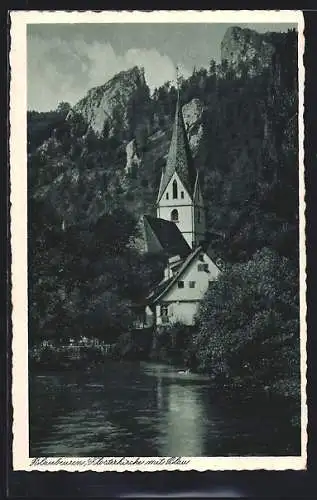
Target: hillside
95,168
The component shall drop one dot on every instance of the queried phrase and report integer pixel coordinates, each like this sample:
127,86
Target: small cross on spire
177,81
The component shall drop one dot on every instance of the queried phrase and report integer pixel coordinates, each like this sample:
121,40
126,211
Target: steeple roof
160,236
179,157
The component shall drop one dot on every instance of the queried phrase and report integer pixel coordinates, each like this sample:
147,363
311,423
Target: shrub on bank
48,355
133,345
248,327
174,344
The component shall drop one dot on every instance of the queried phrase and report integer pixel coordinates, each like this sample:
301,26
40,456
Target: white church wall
167,196
191,216
184,207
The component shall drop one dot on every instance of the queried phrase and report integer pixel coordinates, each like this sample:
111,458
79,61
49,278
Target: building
179,198
179,232
177,297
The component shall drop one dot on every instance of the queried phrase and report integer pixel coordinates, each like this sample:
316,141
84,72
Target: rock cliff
133,130
248,47
133,158
85,196
111,107
192,113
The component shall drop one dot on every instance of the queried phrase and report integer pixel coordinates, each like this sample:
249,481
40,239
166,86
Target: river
147,409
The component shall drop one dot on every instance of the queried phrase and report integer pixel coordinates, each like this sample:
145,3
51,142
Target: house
178,232
177,297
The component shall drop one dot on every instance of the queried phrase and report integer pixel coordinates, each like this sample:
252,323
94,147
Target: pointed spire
179,157
177,83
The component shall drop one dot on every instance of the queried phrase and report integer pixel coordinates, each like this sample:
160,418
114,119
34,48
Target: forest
83,209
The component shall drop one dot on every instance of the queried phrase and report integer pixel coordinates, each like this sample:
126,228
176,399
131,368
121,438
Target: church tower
180,197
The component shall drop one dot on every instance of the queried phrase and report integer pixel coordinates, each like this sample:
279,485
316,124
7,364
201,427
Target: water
126,409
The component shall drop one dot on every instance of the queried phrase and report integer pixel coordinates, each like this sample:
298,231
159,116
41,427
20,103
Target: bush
133,346
249,325
174,344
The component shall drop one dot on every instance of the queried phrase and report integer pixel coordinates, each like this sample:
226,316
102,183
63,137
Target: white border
18,198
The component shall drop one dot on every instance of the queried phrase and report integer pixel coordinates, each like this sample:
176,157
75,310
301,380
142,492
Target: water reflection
182,426
183,422
148,410
159,393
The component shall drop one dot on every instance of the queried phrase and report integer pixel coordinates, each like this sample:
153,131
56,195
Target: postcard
158,240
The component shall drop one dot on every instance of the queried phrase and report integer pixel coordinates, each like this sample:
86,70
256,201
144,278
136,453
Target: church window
198,215
175,189
182,194
192,284
174,215
167,196
180,284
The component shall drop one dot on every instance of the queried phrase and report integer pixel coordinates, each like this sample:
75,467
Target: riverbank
150,409
175,351
84,353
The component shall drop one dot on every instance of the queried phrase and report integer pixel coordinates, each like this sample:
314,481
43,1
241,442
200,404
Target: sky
65,60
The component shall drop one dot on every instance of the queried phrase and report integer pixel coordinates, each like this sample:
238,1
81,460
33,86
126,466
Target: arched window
174,215
175,195
167,196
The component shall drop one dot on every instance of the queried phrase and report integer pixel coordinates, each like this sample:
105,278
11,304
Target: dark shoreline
223,391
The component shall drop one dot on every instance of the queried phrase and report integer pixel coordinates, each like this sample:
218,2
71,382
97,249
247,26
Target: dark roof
159,289
168,235
179,157
164,286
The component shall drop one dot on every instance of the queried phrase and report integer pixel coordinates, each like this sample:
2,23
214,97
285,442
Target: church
178,232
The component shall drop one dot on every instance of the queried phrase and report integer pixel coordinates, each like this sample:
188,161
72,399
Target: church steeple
179,198
179,157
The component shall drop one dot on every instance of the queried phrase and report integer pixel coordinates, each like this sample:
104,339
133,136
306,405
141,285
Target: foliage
82,211
79,233
247,158
133,345
174,344
249,324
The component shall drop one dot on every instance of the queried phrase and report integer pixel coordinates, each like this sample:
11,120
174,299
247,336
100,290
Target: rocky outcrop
133,158
107,109
192,114
246,47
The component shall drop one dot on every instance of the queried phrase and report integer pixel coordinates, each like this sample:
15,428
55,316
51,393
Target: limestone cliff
78,173
192,113
133,157
248,47
84,197
112,107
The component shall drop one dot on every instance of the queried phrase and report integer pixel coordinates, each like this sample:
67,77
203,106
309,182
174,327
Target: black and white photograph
158,244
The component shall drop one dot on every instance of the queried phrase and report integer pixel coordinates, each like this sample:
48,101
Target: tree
249,324
63,108
247,160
